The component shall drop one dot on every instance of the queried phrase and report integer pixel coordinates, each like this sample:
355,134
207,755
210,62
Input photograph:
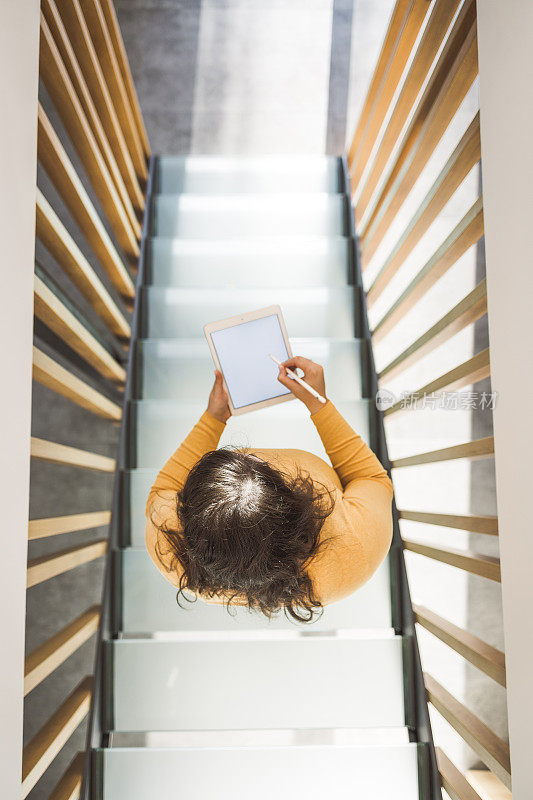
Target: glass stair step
220,174
248,215
282,680
289,261
161,425
149,604
314,773
327,312
287,737
182,369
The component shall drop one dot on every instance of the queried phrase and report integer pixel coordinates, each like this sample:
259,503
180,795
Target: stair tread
308,311
183,368
149,604
244,215
219,683
280,737
267,173
287,261
313,772
163,424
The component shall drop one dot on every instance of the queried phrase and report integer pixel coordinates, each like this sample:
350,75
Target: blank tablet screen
244,355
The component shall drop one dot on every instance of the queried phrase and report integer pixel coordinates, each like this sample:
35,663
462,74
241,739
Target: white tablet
241,348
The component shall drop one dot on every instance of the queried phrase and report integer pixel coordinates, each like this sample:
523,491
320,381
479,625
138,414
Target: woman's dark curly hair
248,531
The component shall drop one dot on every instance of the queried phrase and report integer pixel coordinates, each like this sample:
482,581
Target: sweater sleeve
351,458
366,499
204,437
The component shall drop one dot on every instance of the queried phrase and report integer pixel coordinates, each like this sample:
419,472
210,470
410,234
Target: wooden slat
69,786
451,80
465,234
70,456
479,448
492,750
438,23
46,567
471,371
55,650
465,313
464,157
53,526
57,81
120,52
50,310
403,29
46,744
383,66
68,57
476,564
96,23
488,659
51,374
462,522
55,237
453,781
57,164
80,37
488,786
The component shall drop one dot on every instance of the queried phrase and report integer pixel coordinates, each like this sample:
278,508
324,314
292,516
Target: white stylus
293,375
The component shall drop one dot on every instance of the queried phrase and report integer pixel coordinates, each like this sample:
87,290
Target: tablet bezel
231,322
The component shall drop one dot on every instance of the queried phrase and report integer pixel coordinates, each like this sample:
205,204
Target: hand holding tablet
244,349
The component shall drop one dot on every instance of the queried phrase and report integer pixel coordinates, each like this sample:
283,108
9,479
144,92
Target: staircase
200,703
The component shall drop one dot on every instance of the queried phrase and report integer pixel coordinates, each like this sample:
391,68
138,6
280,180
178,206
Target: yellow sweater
361,522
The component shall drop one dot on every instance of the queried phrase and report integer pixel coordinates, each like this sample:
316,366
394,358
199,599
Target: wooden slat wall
50,310
46,567
66,51
452,77
409,110
104,47
464,157
52,526
55,650
85,71
55,237
64,97
70,456
405,24
463,522
467,373
470,309
490,748
57,164
80,37
480,448
69,786
466,233
482,655
453,781
120,52
46,744
475,563
60,380
439,20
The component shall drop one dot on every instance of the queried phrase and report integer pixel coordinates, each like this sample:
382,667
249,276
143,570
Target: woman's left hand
218,399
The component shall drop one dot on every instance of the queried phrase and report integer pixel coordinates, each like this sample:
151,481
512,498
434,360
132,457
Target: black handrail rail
96,729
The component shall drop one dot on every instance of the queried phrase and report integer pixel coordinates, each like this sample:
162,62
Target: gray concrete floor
225,76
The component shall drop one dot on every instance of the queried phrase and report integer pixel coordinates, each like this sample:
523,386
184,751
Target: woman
270,529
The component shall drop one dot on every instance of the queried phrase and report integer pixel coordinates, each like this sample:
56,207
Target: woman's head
247,530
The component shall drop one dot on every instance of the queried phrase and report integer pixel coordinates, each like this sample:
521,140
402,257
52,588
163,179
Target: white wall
19,43
505,33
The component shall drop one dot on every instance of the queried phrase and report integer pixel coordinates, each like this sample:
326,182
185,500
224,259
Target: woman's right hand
313,374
